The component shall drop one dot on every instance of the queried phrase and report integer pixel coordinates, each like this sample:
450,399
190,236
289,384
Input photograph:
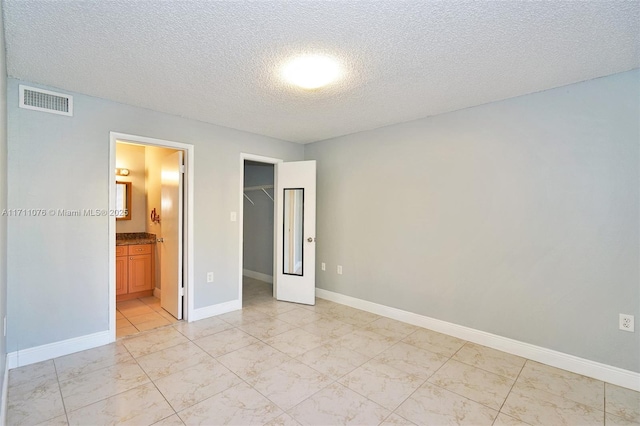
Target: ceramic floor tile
106,382
135,310
122,323
396,420
622,402
22,375
356,317
150,316
283,420
434,342
143,405
150,325
333,359
197,383
299,317
328,328
126,331
289,383
166,315
84,362
491,360
504,420
382,383
432,405
168,361
390,328
34,402
253,360
471,382
338,405
267,328
173,420
613,420
153,341
274,307
56,421
295,342
198,329
239,405
119,315
243,316
564,383
537,407
226,341
129,304
411,359
367,342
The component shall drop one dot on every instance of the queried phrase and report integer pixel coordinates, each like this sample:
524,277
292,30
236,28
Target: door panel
171,247
295,232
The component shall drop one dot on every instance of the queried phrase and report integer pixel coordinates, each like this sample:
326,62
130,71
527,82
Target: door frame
188,210
259,159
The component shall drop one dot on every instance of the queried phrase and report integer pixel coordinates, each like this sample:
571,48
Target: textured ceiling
218,61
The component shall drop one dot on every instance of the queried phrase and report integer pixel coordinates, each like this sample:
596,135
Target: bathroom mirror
123,201
293,228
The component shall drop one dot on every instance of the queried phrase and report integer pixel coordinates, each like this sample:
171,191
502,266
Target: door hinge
181,292
181,168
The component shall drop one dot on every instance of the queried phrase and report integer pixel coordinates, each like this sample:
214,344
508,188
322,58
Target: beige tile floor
277,363
136,315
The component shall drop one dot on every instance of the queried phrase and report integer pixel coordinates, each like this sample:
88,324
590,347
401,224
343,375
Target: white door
171,247
295,268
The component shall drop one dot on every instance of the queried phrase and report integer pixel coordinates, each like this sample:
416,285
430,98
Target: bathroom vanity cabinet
134,271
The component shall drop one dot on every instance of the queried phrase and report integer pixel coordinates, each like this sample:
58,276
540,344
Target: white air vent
45,100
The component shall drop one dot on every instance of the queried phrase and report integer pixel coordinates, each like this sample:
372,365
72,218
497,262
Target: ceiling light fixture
311,71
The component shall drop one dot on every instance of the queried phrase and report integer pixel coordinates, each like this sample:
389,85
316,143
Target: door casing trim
187,248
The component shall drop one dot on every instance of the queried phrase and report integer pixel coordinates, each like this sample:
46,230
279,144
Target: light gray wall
518,218
258,220
3,195
58,266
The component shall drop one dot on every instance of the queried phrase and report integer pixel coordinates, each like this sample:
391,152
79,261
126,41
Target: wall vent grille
45,101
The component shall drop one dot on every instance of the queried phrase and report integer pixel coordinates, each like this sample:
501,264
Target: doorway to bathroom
151,264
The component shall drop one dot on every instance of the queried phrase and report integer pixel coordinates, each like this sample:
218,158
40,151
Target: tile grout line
64,406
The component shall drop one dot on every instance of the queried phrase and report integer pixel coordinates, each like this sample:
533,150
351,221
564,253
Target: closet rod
265,191
257,188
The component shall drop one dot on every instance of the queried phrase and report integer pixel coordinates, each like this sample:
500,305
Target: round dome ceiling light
311,71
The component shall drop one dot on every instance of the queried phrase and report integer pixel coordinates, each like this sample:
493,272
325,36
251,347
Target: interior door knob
310,239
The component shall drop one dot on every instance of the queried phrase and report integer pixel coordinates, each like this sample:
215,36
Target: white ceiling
217,61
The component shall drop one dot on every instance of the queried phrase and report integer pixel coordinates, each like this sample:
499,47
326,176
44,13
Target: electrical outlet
323,266
626,322
209,277
339,269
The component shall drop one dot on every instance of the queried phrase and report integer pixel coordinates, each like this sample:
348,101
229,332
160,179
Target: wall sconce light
122,172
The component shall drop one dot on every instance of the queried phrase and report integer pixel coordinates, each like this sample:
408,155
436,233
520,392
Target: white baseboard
157,292
57,349
258,276
210,311
596,370
5,388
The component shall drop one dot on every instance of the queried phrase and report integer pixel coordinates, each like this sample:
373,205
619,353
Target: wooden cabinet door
140,273
122,274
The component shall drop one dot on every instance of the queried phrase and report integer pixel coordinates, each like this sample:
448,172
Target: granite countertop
133,238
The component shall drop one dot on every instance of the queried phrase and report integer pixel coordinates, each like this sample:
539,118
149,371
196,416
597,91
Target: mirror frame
128,200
